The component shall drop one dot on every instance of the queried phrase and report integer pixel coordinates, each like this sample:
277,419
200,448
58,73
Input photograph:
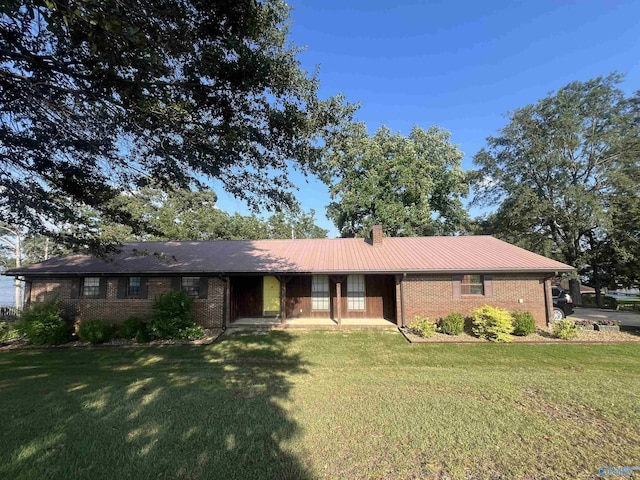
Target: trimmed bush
192,333
42,324
492,323
422,327
94,331
565,329
130,327
172,317
452,324
523,323
143,335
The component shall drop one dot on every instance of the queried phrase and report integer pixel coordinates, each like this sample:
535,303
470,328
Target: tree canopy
564,173
189,215
98,97
411,185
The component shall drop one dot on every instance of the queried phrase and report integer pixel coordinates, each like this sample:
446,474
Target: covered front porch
313,300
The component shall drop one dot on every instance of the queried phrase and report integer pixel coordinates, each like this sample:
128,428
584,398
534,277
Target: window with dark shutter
472,285
191,285
133,287
90,287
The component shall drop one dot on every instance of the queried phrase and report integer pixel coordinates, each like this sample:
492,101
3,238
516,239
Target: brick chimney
376,235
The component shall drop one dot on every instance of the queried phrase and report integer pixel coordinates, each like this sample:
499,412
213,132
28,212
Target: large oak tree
98,97
412,185
561,172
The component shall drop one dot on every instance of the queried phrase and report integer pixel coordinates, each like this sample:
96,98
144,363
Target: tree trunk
574,291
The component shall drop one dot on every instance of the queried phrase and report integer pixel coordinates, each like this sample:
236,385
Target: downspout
548,308
402,299
226,303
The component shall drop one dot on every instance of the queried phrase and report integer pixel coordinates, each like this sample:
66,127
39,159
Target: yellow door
270,296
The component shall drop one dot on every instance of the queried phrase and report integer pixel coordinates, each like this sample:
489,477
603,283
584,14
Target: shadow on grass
174,412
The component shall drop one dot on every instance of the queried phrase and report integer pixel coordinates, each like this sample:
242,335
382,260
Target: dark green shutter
203,290
176,283
144,287
103,288
122,287
488,285
457,285
75,287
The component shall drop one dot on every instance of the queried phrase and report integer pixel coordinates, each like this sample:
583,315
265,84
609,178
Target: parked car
562,303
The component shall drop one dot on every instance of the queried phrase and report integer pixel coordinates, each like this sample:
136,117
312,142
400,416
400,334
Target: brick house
327,281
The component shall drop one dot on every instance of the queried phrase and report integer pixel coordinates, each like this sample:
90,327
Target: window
133,287
320,292
90,287
191,285
355,292
472,285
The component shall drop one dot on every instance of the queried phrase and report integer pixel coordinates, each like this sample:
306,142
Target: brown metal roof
339,255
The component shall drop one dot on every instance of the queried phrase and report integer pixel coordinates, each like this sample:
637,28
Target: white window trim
359,296
320,295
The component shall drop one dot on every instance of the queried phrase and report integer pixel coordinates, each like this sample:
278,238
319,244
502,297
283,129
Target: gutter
36,273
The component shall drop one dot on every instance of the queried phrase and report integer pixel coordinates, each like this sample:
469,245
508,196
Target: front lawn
320,404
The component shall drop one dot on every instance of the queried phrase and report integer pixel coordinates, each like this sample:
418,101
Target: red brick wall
432,296
209,312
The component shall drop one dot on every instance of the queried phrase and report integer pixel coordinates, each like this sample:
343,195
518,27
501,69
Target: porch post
283,298
283,301
339,301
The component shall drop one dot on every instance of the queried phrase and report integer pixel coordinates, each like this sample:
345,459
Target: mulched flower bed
542,335
210,336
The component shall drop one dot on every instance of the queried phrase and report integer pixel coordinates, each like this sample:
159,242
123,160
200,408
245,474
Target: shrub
172,317
492,323
143,335
42,324
588,300
130,327
192,333
8,331
609,302
523,323
452,324
564,329
422,327
94,331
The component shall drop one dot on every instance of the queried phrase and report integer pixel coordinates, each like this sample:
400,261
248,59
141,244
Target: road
630,319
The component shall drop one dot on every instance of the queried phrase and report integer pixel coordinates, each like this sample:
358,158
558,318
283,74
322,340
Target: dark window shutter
488,286
103,288
144,287
456,280
176,283
204,287
75,288
122,287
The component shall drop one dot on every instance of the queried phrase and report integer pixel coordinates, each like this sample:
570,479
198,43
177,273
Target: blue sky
459,65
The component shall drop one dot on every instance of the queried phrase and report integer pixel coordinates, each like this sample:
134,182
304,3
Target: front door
270,297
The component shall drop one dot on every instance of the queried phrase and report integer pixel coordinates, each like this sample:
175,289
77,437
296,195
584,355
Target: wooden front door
270,297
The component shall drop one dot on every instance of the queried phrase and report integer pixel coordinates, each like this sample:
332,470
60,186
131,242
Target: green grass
320,404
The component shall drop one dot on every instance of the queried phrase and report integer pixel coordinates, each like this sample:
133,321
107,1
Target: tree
189,215
97,97
557,169
411,185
